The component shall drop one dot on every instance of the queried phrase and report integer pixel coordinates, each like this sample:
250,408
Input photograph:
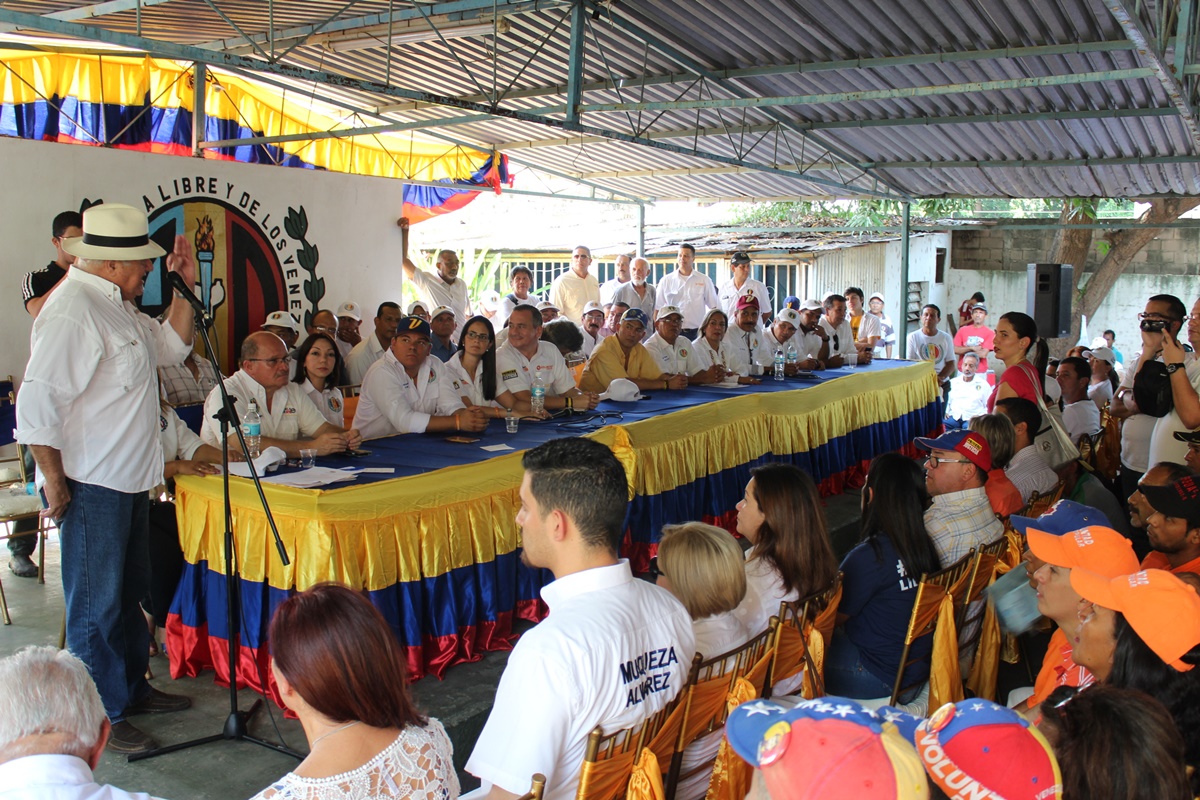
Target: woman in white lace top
339,667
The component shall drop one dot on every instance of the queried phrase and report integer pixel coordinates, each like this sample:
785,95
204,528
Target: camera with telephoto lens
1153,325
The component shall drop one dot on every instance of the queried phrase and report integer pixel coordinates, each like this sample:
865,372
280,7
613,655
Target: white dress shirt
292,415
671,358
56,777
391,402
728,296
178,441
91,386
608,290
329,401
694,295
436,292
746,347
471,386
704,356
364,354
845,338
517,371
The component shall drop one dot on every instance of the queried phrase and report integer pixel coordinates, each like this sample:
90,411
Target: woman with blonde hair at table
791,557
702,565
473,368
710,357
339,667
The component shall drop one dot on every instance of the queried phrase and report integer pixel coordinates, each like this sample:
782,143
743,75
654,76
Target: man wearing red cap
746,339
961,516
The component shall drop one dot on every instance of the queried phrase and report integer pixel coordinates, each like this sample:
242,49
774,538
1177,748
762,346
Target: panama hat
114,232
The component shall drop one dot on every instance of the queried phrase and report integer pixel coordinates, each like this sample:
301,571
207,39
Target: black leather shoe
127,740
159,703
22,566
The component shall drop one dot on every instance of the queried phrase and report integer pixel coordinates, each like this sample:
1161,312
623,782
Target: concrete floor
227,770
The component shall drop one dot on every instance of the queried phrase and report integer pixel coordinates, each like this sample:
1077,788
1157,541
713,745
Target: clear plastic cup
510,422
851,359
308,459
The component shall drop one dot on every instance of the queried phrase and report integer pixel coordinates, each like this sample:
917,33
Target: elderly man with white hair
53,731
88,410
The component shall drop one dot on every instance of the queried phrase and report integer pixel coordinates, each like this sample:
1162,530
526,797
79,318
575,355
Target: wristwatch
1173,368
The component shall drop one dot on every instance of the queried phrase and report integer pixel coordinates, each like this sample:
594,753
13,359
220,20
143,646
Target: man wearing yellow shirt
624,356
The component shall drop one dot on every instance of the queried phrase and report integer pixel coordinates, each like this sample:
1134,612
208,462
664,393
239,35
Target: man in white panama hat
88,410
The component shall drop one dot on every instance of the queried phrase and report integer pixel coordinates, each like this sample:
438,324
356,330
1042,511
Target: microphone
178,284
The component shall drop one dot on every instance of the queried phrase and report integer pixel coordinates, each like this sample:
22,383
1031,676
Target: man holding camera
1161,324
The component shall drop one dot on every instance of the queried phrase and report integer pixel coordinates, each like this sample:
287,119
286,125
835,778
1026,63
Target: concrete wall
994,262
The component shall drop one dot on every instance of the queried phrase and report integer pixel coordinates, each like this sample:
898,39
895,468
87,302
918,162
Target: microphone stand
236,723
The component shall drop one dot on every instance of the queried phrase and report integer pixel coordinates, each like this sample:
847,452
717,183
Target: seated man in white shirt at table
781,334
836,326
371,349
613,651
812,343
525,355
290,421
410,391
670,350
590,324
747,347
968,394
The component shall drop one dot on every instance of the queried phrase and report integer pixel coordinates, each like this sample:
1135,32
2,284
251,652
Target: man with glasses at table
961,516
290,421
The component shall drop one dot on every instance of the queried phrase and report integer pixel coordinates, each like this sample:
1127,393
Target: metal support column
199,117
641,238
901,321
575,62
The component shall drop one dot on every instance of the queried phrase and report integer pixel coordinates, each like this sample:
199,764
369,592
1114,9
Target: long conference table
435,544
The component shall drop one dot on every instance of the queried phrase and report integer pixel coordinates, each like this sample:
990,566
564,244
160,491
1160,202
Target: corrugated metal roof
989,87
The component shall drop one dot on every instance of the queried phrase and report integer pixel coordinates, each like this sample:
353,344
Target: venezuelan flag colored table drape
438,553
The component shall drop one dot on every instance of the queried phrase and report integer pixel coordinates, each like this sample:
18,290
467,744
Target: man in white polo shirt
290,421
410,391
689,290
525,355
442,288
740,285
372,348
782,332
613,651
670,350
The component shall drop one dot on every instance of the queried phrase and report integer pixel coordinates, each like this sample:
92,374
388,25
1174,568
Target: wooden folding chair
797,621
1040,503
537,786
931,590
16,505
702,703
351,390
609,758
983,570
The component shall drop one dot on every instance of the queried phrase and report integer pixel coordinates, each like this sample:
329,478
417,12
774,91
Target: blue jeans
106,572
845,674
953,424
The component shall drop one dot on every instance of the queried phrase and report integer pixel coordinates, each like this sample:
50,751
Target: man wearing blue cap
624,356
961,516
410,391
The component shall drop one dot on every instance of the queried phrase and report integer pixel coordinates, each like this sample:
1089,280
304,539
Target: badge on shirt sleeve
508,374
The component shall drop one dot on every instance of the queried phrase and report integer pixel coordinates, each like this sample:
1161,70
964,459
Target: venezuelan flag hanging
145,104
423,202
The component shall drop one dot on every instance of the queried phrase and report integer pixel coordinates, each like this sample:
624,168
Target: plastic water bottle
779,363
792,356
252,428
537,394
